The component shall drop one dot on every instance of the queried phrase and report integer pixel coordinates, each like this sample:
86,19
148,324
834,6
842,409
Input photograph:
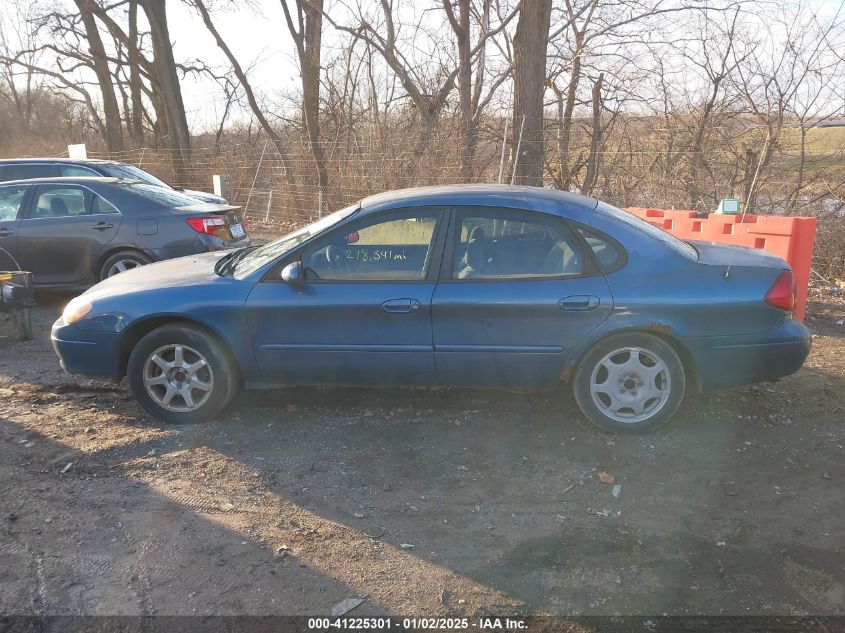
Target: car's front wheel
182,374
629,383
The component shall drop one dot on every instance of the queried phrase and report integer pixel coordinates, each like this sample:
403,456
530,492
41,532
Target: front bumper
84,352
728,361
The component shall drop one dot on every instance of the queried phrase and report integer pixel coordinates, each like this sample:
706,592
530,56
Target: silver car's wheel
121,266
121,261
178,378
630,384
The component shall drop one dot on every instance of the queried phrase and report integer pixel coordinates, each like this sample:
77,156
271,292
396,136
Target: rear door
64,232
516,293
12,203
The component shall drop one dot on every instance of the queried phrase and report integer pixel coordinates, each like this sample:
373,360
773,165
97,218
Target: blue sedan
460,286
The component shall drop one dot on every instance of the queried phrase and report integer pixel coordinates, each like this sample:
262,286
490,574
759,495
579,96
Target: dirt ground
420,502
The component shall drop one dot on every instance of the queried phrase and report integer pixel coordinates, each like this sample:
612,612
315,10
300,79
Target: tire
23,322
125,259
196,395
647,379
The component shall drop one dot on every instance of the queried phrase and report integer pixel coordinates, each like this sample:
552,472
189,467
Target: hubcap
121,266
178,378
630,384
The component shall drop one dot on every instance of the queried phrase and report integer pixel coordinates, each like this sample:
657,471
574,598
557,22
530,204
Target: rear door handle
102,226
579,303
6,232
401,306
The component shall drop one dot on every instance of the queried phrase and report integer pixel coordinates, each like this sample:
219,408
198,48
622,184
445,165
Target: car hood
713,254
172,273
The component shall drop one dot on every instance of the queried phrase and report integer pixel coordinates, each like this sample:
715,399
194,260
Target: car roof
69,180
69,161
536,198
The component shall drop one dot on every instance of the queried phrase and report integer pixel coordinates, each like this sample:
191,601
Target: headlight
75,310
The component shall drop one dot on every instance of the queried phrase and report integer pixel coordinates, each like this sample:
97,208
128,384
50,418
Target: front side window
60,202
379,250
508,244
11,199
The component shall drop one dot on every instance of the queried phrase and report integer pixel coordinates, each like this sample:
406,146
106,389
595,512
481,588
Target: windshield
130,172
255,259
670,240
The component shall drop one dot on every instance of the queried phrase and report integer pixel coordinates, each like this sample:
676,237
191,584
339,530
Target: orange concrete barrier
791,238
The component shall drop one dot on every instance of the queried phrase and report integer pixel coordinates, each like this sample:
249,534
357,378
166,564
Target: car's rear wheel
121,262
182,374
629,383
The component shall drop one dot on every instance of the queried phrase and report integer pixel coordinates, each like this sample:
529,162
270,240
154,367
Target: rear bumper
201,244
739,360
83,352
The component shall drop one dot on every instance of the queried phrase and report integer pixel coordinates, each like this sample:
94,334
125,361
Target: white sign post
77,152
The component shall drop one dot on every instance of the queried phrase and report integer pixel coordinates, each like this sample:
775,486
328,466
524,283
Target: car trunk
712,254
233,227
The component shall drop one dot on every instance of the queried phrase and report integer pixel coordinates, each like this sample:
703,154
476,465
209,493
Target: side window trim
447,270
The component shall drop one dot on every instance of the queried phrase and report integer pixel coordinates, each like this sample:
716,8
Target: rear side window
609,253
512,244
75,171
11,199
25,172
60,202
101,205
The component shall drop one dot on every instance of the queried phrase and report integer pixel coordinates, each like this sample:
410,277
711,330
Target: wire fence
276,186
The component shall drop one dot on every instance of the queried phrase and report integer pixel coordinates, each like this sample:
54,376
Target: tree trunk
136,117
111,110
168,80
310,65
307,34
529,71
595,141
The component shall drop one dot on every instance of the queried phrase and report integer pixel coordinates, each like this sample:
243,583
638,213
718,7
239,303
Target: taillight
782,293
214,225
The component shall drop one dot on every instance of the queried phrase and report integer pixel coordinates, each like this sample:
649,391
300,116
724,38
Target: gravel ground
420,502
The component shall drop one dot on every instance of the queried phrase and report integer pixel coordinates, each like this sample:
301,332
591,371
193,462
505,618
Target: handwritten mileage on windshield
376,255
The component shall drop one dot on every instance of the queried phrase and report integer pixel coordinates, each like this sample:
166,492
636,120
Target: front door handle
401,306
102,226
6,232
579,303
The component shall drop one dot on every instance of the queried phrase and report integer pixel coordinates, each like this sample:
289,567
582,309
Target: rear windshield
164,196
669,240
130,172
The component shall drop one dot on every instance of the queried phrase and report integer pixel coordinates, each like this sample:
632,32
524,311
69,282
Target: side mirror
292,273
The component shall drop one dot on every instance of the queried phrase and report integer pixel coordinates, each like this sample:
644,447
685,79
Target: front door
516,294
64,233
12,201
362,315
